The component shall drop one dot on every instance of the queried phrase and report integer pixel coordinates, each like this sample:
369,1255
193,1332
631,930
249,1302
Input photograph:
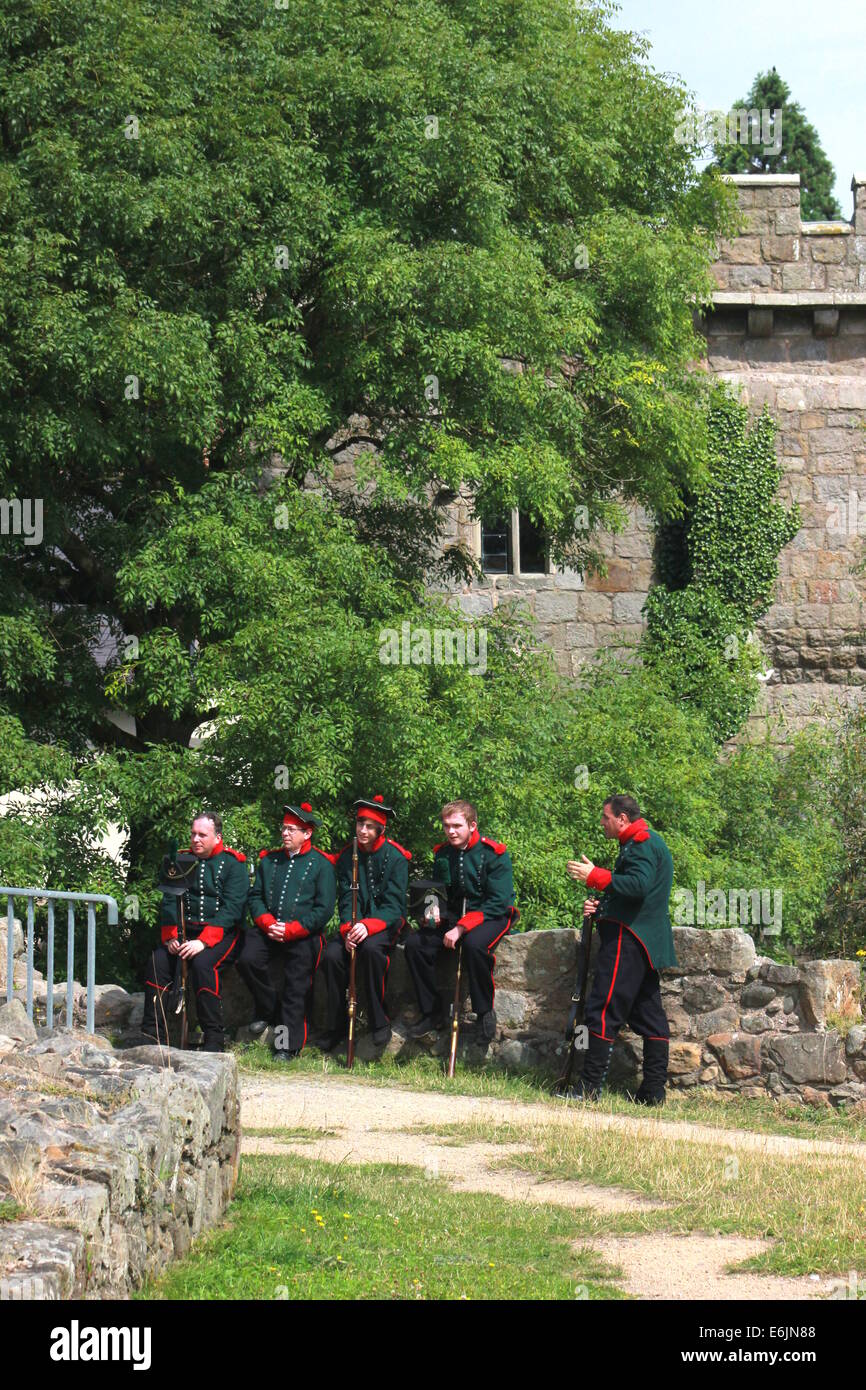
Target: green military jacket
216,899
481,873
383,881
300,890
638,894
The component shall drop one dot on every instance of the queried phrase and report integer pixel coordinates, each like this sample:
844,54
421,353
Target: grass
10,1210
423,1073
298,1135
308,1230
813,1206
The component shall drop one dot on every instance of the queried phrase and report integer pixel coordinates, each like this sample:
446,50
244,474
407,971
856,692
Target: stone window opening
513,546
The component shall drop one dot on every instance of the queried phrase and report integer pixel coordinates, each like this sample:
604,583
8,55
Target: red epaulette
242,858
436,848
494,844
405,853
331,858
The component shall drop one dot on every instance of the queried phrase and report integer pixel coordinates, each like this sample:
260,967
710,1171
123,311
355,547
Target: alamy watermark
741,126
438,646
22,518
739,907
847,517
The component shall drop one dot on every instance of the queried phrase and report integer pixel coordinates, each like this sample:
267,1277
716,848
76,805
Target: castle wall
788,330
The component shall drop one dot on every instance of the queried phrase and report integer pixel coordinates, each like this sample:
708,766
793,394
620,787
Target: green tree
800,153
235,235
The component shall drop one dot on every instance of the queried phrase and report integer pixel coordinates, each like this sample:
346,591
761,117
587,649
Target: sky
820,50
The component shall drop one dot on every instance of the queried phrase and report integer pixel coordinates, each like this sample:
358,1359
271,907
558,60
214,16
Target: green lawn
308,1230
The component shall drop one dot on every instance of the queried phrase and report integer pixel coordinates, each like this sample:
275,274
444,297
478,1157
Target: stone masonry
787,329
112,1163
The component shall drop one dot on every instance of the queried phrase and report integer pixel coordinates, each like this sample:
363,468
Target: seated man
477,875
291,903
383,873
213,905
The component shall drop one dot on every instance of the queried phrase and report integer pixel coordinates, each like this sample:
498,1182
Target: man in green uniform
214,906
383,875
291,903
476,873
636,942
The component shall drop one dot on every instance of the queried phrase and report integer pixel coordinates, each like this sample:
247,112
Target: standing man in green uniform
383,877
291,903
636,942
476,873
214,906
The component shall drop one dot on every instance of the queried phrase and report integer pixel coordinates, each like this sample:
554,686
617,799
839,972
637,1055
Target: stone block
14,1022
726,951
684,1057
628,608
808,1057
739,1054
756,995
829,988
702,994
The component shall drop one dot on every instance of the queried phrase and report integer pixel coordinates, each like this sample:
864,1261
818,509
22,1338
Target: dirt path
379,1124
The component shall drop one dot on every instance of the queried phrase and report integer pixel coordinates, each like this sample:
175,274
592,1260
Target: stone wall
787,330
739,1022
115,1161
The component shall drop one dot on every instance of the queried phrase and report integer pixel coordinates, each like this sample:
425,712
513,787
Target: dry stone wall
739,1021
113,1161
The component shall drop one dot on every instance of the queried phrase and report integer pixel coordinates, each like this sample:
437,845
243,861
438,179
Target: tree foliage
718,566
800,148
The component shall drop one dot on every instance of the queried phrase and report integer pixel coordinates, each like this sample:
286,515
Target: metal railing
43,895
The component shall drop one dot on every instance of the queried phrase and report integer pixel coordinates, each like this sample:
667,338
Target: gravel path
378,1124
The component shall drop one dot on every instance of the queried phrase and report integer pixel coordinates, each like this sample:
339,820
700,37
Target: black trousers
290,1010
203,975
423,947
625,988
371,972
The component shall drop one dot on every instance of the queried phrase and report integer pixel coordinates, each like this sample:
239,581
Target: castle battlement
779,261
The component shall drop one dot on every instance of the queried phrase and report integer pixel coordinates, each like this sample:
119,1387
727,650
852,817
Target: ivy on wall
717,565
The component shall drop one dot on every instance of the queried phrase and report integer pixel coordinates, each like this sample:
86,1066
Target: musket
578,1007
352,992
455,1008
182,1008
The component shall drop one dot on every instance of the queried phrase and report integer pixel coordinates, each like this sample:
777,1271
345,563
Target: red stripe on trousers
203,989
612,983
490,952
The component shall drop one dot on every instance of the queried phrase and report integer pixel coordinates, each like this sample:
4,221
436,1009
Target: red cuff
373,924
599,878
210,935
294,930
169,934
471,920
266,920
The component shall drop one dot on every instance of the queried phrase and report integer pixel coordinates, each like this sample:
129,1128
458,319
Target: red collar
305,848
377,844
638,829
217,849
473,839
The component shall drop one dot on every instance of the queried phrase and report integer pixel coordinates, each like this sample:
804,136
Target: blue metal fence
43,895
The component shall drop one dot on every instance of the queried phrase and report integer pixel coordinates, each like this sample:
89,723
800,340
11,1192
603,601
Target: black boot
213,1040
655,1072
591,1081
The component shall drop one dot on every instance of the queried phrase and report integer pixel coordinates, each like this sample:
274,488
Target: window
513,546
